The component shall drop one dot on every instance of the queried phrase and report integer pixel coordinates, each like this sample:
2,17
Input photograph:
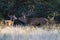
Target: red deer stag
34,21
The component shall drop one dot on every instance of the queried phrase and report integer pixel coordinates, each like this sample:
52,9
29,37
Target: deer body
9,21
34,21
37,21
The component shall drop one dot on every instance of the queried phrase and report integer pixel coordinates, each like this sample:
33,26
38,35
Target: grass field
29,33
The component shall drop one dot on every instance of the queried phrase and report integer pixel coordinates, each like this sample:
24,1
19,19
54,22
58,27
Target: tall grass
20,32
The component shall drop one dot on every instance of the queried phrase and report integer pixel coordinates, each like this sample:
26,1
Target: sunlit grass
20,32
26,29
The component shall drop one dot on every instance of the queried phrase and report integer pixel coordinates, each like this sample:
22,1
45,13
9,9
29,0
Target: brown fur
37,21
8,22
41,22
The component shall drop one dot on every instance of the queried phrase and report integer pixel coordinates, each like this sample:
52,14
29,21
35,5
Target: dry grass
28,33
27,29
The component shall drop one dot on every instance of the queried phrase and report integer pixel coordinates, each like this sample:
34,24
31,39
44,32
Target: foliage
33,8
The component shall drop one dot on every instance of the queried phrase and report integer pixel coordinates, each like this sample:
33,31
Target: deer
34,21
52,20
8,23
11,21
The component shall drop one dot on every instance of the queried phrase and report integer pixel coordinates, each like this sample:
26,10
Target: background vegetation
33,8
